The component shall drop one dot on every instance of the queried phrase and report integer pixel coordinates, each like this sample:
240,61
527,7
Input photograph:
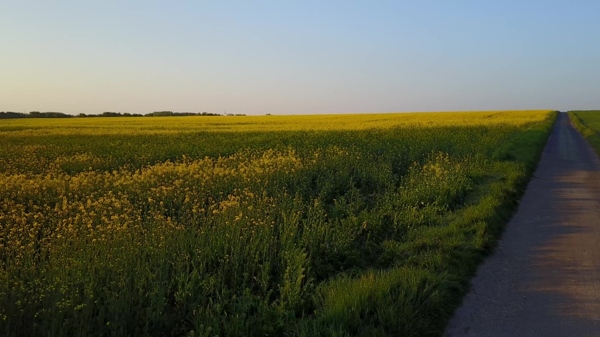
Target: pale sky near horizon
298,57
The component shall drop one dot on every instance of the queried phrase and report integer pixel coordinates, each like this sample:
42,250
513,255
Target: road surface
544,277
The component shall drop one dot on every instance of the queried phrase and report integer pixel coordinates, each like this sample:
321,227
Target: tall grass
347,232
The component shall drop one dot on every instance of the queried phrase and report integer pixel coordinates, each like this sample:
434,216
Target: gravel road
544,277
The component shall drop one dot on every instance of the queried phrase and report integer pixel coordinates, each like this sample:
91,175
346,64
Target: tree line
33,114
37,114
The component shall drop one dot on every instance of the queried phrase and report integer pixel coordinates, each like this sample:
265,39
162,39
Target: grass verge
587,123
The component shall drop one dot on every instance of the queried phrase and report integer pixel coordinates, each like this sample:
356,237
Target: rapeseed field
325,225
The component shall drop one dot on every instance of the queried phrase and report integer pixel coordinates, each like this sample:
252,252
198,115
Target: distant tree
10,114
110,114
82,115
56,115
33,114
177,113
161,113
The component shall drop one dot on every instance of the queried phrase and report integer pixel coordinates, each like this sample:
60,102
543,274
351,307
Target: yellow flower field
174,125
252,226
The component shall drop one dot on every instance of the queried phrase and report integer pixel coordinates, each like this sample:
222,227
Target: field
588,123
352,225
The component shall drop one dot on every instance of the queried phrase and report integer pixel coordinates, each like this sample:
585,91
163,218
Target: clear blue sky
298,57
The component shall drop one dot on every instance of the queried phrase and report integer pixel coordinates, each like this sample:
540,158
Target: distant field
334,225
164,125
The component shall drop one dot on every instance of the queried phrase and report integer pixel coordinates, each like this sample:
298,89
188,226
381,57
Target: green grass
364,225
588,124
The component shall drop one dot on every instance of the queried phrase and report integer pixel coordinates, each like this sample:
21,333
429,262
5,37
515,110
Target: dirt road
544,278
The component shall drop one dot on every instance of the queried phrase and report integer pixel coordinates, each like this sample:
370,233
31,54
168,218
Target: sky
298,57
